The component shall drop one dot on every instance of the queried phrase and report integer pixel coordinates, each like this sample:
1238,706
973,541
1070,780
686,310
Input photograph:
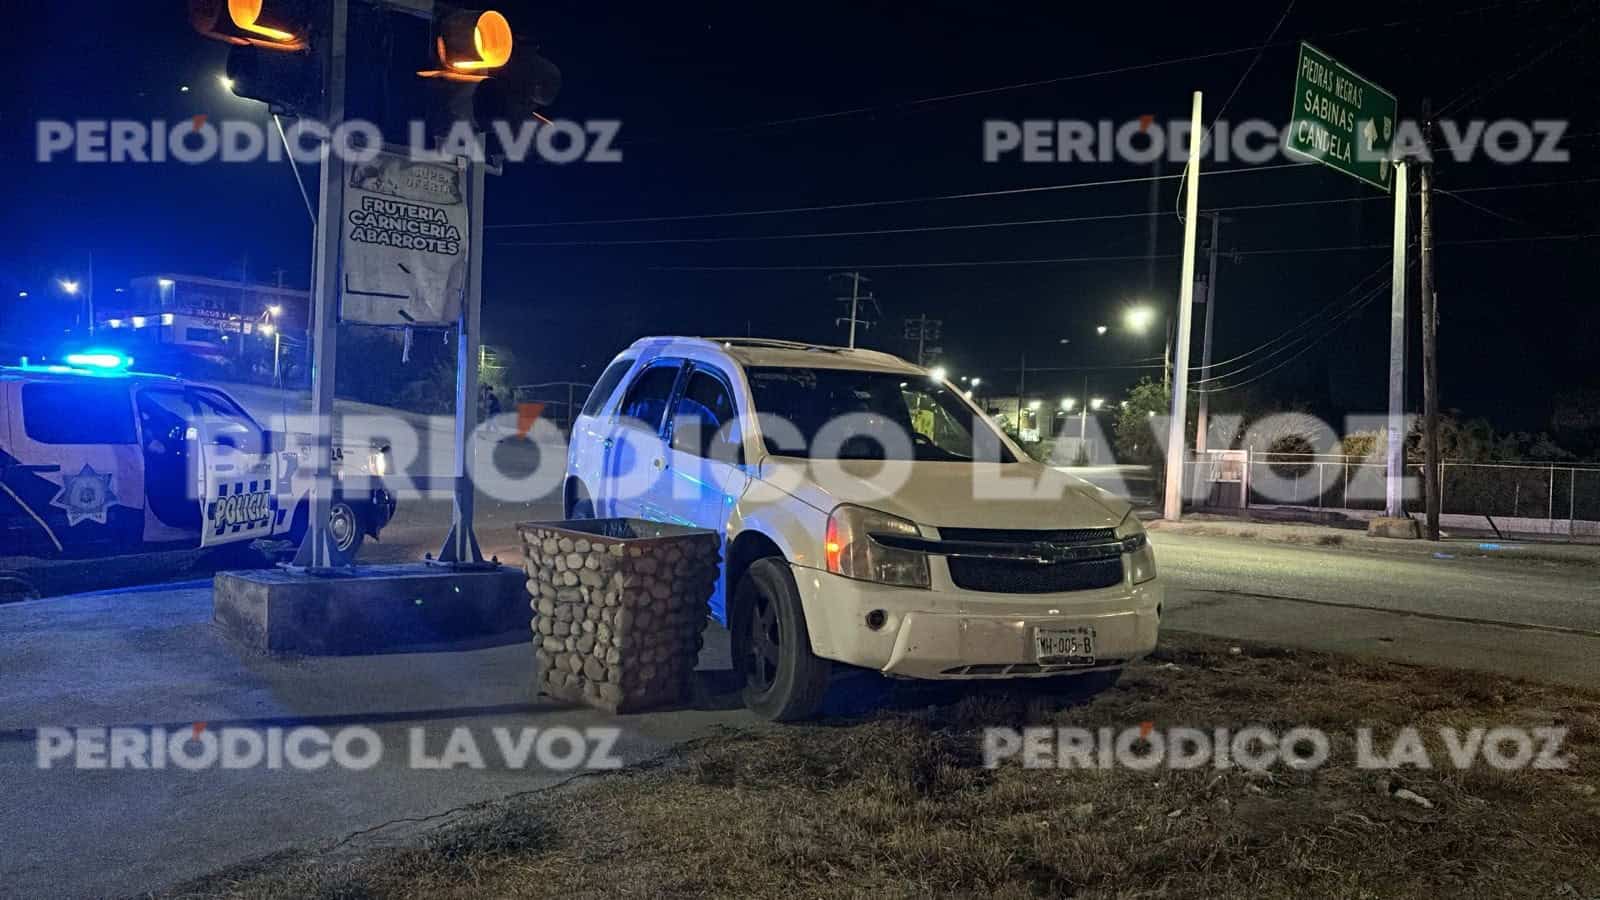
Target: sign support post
1394,484
317,553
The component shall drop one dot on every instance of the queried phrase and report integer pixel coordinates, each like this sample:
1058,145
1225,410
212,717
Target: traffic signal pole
460,548
317,552
1180,368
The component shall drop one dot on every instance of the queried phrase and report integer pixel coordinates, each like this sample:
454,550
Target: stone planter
619,606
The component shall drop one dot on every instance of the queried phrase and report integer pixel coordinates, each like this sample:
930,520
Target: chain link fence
1559,499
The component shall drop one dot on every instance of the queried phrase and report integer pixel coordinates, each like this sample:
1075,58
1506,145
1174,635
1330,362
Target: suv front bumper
954,634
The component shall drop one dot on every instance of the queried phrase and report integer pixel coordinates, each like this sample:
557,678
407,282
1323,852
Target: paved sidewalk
1331,537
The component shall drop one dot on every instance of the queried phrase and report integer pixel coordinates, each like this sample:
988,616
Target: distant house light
165,282
114,323
139,321
168,318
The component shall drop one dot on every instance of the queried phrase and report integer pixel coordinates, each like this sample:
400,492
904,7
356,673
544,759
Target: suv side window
609,379
647,398
704,410
58,413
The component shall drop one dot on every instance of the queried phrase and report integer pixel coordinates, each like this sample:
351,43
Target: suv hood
1021,495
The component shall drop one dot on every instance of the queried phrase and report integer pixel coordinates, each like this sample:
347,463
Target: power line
1435,26
1007,223
1488,85
917,229
863,204
1333,327
1063,260
1303,324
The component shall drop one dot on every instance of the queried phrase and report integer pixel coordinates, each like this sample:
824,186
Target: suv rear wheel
783,680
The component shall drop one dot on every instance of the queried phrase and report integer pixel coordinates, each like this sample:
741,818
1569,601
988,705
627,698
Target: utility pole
1394,485
855,300
1180,367
1022,389
1083,422
1430,334
1202,415
923,329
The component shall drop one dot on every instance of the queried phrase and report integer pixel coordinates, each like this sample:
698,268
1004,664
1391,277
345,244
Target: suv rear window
609,379
61,413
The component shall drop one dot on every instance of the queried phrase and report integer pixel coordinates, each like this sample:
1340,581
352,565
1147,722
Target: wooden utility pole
1430,336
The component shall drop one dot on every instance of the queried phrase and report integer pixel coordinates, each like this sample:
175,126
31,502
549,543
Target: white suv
871,516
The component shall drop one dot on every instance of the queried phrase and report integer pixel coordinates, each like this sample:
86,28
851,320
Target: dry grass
899,805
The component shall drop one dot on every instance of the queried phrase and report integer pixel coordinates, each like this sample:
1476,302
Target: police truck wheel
345,528
783,680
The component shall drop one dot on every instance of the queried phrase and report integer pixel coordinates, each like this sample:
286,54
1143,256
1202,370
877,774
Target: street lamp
1096,403
1100,330
269,326
1067,403
977,381
1139,319
939,373
70,286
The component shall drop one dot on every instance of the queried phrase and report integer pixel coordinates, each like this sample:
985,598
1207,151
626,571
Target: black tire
347,530
782,680
579,506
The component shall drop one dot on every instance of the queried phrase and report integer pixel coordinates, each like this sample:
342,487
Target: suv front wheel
783,680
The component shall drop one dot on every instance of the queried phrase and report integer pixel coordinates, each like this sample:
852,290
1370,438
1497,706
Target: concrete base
381,609
1406,529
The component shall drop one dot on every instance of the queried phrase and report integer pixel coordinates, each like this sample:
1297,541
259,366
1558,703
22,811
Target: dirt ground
900,804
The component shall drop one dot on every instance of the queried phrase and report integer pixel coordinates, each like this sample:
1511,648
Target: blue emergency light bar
104,360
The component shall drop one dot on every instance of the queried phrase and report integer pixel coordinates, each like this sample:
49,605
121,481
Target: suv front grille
1003,576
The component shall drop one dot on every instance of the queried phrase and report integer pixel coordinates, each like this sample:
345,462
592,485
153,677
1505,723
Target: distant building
207,317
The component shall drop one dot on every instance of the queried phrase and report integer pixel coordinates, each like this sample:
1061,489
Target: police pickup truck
96,460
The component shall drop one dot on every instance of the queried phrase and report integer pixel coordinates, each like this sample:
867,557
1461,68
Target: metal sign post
1394,484
317,552
460,548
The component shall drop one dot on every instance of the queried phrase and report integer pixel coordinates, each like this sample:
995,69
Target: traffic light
482,73
272,59
251,23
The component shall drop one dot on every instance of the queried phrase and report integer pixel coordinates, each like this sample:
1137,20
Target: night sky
704,92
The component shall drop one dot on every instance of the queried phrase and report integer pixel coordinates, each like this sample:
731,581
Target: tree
1134,433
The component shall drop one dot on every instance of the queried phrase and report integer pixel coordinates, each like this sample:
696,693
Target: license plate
1065,646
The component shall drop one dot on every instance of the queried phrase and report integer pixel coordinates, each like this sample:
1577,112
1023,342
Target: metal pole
1430,338
1203,415
1572,504
461,546
1394,489
855,293
318,551
1180,368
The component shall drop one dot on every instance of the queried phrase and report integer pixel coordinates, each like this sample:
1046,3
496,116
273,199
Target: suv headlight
850,551
1141,556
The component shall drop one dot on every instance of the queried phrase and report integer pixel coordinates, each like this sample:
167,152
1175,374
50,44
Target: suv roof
787,354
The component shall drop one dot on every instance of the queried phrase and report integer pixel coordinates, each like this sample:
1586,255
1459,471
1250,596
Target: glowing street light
1100,330
274,310
267,329
22,294
1096,403
165,282
939,373
1140,318
70,286
1034,405
1067,403
977,381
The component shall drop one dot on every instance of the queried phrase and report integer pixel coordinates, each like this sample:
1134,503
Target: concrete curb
1346,539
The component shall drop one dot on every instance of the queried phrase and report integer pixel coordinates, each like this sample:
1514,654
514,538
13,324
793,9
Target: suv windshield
848,414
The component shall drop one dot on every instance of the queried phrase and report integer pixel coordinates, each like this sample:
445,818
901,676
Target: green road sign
1341,119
